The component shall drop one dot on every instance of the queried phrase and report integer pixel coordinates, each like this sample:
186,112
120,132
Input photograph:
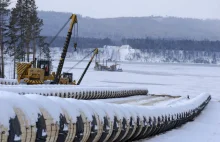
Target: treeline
179,56
148,43
170,44
81,42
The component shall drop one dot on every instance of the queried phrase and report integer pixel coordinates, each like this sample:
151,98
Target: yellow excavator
37,72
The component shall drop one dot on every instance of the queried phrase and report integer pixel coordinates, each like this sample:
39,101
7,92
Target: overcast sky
117,8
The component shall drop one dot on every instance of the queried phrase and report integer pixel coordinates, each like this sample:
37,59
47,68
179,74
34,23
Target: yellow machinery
95,53
67,77
38,74
31,75
42,72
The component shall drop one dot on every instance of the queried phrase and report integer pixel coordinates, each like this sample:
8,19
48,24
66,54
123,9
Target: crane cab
68,75
66,78
45,65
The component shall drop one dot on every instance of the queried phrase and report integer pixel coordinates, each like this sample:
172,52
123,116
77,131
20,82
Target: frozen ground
205,128
170,79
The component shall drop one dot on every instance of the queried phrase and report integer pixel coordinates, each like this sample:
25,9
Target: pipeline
4,81
77,92
33,117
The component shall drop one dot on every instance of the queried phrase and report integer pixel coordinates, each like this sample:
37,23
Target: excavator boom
73,19
84,72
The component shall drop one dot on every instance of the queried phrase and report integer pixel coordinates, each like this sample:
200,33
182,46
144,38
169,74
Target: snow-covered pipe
32,116
69,91
4,81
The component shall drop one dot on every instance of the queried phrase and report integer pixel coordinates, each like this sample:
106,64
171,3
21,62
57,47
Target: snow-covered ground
205,128
173,79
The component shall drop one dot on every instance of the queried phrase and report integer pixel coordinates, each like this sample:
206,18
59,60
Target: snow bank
118,53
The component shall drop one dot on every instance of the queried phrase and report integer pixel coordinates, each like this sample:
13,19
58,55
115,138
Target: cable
75,35
80,60
59,32
48,44
77,40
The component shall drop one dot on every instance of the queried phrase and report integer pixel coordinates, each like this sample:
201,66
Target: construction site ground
171,79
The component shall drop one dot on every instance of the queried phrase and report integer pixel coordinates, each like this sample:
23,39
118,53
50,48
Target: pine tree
44,48
36,28
26,28
13,38
24,31
4,11
16,32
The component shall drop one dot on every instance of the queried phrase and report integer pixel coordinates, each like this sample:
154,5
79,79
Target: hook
75,45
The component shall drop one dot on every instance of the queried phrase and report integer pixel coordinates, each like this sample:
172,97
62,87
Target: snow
72,111
8,112
108,110
30,110
116,53
30,104
65,127
44,133
81,107
123,100
126,53
95,109
17,138
8,81
205,128
47,104
61,90
173,79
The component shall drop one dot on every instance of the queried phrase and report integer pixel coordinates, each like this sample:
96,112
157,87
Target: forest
144,43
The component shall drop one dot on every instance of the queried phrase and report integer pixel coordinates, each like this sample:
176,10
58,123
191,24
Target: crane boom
73,19
84,72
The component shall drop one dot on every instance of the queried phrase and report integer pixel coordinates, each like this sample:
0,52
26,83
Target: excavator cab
45,65
66,78
68,75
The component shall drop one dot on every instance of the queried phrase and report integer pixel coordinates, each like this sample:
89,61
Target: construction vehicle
100,67
44,67
34,75
38,72
67,77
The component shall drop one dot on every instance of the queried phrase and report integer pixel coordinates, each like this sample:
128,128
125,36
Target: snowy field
172,79
168,79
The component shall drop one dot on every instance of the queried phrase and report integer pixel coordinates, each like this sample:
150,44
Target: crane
90,61
41,70
40,73
73,19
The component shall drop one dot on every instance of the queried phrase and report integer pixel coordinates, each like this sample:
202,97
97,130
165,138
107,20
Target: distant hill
134,27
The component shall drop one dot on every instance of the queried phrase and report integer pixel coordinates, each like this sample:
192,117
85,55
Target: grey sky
117,8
